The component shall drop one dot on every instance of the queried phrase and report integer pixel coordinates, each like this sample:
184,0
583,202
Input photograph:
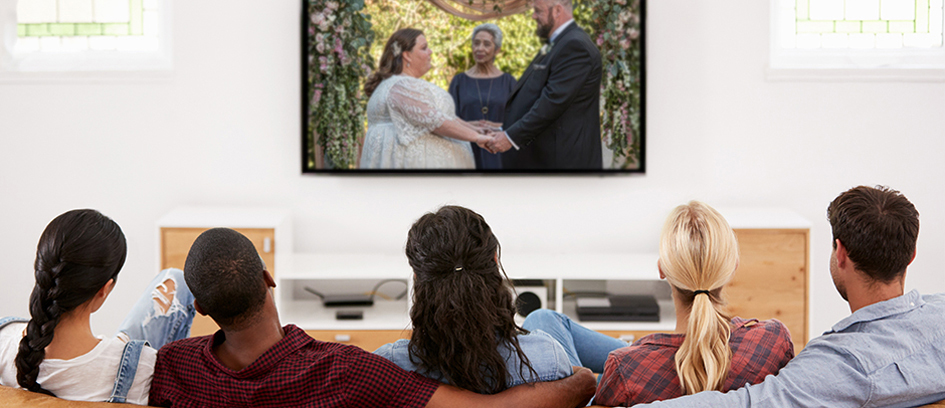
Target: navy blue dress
467,98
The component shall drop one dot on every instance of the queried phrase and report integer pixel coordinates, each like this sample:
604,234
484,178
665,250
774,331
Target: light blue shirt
888,354
554,35
546,356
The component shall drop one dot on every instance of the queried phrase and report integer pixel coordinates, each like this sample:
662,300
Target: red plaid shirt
297,371
646,371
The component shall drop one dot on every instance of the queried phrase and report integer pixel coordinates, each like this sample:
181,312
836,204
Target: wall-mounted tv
473,86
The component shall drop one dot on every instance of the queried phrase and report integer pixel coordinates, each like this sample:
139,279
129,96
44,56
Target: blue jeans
163,313
585,347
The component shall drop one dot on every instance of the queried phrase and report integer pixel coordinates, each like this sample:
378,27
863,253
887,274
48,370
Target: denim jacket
546,356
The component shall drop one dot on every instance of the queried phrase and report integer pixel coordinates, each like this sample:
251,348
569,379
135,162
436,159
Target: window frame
89,64
901,64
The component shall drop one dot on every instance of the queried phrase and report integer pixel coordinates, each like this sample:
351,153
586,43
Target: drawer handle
342,338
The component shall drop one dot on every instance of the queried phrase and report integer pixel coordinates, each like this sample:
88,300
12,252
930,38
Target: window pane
826,9
37,11
897,10
86,17
884,23
862,10
75,11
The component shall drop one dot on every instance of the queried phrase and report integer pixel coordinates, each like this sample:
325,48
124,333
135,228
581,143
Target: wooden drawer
368,340
771,279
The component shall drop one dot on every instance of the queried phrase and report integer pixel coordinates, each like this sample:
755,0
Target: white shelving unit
563,273
335,270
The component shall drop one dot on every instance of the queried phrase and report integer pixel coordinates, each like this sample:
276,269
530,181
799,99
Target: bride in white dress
412,123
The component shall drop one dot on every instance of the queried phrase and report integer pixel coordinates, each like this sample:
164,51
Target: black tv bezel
306,23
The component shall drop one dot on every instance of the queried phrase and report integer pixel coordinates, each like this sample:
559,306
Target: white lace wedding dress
402,113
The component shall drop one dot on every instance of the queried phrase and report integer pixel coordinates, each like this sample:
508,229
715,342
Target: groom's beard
544,27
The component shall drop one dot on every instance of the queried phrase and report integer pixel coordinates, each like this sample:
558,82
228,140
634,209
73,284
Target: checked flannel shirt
646,371
297,371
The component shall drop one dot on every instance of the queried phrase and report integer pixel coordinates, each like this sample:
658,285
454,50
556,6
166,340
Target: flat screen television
342,41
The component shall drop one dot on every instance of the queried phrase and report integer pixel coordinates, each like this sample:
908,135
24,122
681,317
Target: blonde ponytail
698,255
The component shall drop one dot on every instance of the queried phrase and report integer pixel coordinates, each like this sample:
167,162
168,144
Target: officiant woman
480,93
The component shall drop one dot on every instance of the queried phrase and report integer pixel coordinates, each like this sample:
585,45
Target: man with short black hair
254,361
890,352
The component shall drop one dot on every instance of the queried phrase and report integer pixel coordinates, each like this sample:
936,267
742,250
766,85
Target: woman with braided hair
54,352
464,332
709,350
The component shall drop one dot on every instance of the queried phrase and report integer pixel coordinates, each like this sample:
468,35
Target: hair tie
458,268
700,291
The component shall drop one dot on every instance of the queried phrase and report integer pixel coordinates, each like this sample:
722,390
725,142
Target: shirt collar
551,40
879,310
293,339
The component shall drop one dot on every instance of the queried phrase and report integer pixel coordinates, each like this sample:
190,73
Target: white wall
225,130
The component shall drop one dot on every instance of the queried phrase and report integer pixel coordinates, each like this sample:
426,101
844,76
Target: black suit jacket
553,113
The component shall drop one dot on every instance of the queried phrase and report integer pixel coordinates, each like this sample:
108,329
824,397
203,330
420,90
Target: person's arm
458,129
820,376
414,112
570,392
562,87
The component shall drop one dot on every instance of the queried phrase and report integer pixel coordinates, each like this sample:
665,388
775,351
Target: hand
483,141
500,143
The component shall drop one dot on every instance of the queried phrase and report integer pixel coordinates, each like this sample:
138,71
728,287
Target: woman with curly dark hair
464,332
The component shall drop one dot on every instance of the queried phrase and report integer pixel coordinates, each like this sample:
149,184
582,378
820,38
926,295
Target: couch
11,397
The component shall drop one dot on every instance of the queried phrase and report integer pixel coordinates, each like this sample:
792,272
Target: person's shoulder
772,327
459,77
186,348
391,349
12,330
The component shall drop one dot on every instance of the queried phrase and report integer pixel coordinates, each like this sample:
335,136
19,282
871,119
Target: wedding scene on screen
488,86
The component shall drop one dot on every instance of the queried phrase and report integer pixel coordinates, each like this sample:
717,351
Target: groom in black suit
552,117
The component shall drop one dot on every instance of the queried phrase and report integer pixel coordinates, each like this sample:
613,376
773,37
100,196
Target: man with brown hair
890,352
255,361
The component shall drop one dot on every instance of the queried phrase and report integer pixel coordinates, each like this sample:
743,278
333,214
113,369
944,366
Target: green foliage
338,39
450,37
616,26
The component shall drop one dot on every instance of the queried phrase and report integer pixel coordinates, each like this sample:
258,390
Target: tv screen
473,86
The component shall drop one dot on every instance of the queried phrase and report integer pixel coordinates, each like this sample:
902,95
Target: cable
378,286
314,292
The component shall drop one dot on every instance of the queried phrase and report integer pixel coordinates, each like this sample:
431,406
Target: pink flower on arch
316,96
600,40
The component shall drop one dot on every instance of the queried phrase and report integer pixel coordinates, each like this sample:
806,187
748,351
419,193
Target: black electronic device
618,308
342,300
349,315
348,300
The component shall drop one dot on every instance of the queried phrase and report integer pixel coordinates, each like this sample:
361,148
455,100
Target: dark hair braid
463,308
78,253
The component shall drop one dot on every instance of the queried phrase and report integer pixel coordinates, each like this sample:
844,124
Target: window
858,34
85,35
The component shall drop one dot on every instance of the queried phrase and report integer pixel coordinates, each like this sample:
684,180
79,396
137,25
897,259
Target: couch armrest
13,397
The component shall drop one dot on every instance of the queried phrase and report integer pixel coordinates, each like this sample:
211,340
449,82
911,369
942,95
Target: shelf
311,315
348,266
230,217
667,323
763,218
